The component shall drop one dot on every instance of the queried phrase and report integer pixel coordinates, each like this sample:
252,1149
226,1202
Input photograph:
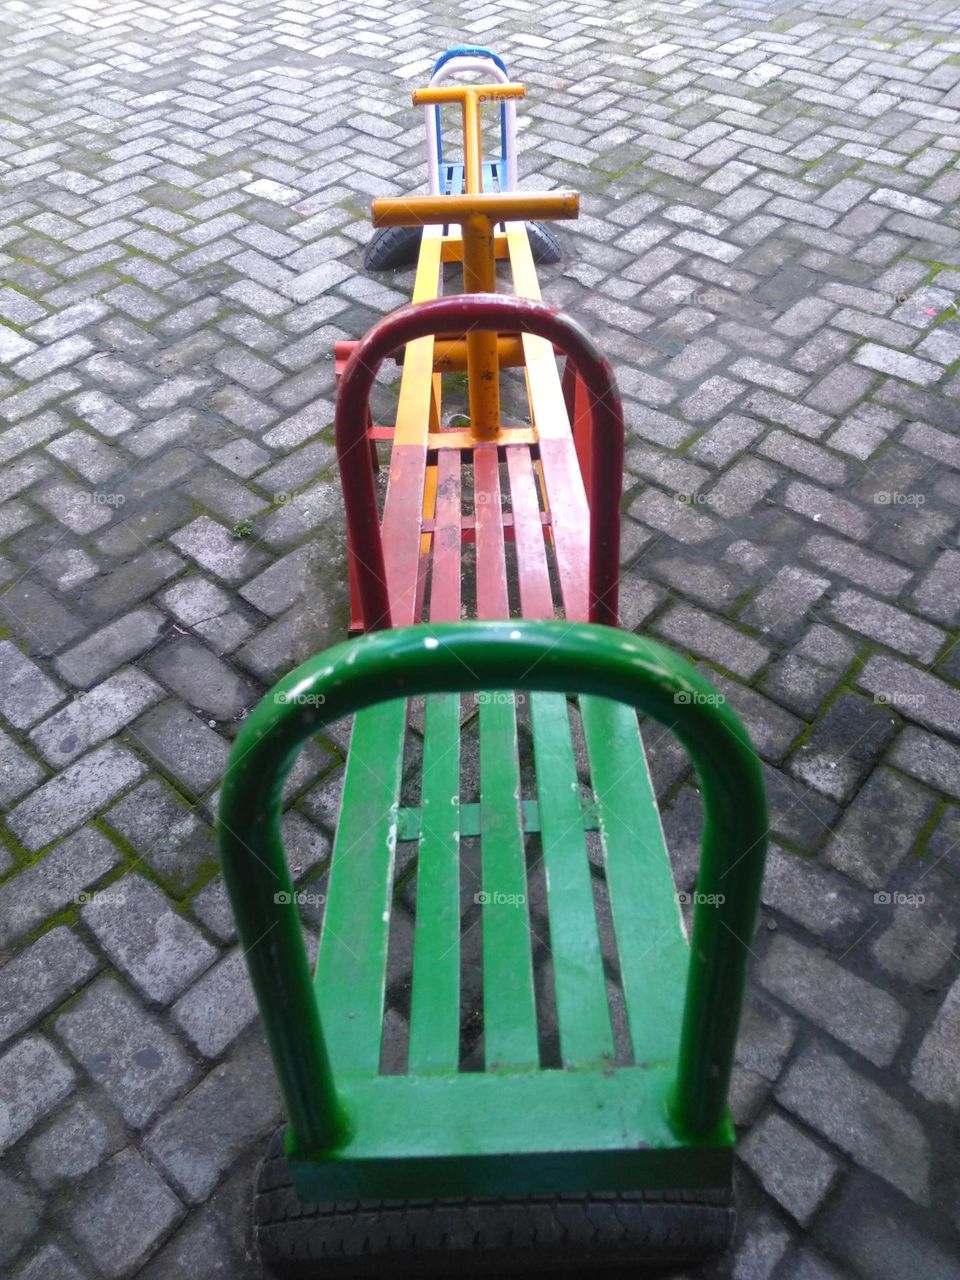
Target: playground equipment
441,1171
399,246
620,1151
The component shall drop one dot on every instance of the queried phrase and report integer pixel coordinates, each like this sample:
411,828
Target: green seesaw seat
597,1161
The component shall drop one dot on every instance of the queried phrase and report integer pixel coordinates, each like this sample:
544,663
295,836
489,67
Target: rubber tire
393,247
530,1236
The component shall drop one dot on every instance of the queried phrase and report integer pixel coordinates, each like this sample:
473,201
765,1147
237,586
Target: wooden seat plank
651,942
583,1012
352,959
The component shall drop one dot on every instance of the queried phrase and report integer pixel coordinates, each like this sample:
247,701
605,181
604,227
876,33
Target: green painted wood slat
653,951
509,1007
351,963
435,1005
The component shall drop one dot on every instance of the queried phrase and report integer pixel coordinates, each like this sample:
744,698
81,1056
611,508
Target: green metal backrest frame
460,657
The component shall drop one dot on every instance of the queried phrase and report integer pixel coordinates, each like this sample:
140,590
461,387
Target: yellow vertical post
479,257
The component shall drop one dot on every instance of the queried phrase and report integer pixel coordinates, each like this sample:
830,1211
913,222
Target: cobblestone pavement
770,250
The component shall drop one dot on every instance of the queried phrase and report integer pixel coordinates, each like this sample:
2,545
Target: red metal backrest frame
458,314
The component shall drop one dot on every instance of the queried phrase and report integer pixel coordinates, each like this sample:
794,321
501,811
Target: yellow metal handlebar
496,206
440,95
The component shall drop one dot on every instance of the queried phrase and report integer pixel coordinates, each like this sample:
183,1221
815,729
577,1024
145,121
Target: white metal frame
491,72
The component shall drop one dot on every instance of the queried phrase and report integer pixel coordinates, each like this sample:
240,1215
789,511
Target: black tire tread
392,247
526,1236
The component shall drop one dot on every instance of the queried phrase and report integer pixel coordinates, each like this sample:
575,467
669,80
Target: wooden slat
402,519
352,961
445,567
570,523
583,1014
654,956
544,389
536,595
435,1007
492,598
413,406
509,1008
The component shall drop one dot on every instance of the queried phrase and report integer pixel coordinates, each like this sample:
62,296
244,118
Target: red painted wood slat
447,539
492,598
536,595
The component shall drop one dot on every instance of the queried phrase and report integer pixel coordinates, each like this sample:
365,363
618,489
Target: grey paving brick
41,977
50,1263
21,1216
898,365
41,622
165,831
855,1114
933,1072
878,1240
704,634
217,1007
76,1140
111,646
887,624
124,1050
866,569
843,745
213,548
928,758
18,771
157,950
94,716
822,903
196,1141
54,882
26,694
189,669
852,1010
938,593
33,1079
785,601
917,937
68,800
183,745
796,1171
915,694
123,1213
